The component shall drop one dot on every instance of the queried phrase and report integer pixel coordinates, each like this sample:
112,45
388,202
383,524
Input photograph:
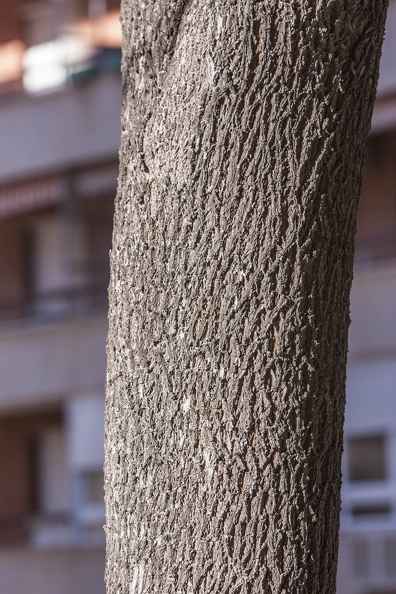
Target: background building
368,524
60,102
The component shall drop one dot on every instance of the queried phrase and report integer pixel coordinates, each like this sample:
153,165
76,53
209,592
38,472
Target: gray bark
243,134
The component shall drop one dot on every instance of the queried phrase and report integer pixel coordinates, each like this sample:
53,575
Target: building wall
387,82
52,361
58,170
367,556
59,130
373,328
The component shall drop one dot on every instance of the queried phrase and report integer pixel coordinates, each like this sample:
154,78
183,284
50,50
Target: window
35,491
367,459
371,510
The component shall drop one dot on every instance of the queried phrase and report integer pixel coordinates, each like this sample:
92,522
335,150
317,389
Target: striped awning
19,198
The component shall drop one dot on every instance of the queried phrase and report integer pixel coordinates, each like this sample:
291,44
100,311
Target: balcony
55,304
48,362
38,140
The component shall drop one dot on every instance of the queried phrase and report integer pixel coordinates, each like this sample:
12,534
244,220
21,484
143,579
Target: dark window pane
367,459
371,510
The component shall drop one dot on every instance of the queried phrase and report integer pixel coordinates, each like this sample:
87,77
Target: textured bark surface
244,130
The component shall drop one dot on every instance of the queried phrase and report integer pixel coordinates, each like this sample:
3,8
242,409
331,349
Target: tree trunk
243,134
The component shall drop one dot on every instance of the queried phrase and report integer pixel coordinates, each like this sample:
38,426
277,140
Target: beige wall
51,361
373,312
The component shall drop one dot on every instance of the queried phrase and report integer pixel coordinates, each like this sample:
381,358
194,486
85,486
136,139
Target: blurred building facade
367,561
60,97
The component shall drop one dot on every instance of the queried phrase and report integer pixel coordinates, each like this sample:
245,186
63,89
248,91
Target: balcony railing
55,303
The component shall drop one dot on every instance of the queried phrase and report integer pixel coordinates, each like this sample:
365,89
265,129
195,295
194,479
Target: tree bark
243,135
